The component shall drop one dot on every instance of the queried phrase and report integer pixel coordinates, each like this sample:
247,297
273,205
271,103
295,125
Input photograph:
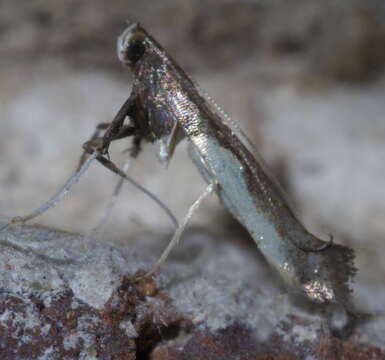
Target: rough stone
56,304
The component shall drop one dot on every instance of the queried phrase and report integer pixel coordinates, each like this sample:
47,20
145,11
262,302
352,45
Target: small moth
166,106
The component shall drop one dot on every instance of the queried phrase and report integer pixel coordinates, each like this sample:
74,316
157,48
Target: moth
165,106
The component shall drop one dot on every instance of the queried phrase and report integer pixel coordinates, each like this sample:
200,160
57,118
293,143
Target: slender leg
111,166
57,197
179,231
134,151
116,125
108,209
96,141
99,128
114,130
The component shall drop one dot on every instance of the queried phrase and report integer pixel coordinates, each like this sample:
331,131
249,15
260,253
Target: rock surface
67,297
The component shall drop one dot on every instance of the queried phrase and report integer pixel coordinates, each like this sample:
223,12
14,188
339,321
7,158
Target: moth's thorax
165,96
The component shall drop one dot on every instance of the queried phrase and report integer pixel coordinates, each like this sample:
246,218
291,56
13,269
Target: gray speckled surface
214,282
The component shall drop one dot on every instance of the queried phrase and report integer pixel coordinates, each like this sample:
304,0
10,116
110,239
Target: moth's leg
134,151
82,168
127,131
99,128
57,197
111,203
116,128
179,231
113,131
96,142
111,166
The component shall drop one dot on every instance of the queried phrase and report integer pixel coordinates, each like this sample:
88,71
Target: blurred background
304,78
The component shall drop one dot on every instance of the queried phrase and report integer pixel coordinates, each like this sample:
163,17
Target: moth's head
132,45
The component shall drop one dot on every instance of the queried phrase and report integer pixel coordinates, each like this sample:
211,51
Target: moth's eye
135,49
